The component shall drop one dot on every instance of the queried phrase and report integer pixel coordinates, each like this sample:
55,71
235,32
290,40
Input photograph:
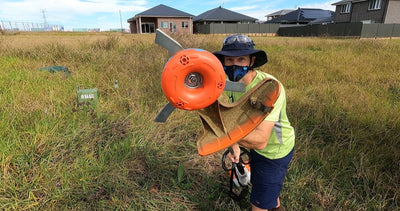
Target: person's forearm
258,138
254,140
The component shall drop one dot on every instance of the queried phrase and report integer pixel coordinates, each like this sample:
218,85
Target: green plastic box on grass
56,69
88,96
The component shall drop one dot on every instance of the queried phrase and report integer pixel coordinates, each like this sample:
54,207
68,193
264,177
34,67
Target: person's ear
252,60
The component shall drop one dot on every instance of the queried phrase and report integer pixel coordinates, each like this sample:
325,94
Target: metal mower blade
235,86
164,113
167,42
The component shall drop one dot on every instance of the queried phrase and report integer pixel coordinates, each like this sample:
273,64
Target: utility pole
44,18
120,19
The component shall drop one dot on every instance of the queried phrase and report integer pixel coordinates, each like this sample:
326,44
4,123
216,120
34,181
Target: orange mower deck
193,79
227,123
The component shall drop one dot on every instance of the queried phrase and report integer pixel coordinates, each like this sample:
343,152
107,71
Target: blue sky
107,14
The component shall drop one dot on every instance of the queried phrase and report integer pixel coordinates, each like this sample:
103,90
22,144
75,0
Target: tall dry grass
343,99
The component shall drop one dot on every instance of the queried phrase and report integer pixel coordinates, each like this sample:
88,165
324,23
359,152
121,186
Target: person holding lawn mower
271,143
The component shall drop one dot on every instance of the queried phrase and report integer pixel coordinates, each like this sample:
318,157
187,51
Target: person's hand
236,153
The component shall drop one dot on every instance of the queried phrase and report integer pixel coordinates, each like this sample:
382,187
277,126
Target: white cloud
64,11
242,8
323,5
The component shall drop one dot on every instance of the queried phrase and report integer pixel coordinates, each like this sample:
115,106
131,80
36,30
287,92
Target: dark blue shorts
266,178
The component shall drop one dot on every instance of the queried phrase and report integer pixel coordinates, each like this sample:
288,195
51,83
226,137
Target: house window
164,24
374,5
172,27
346,8
185,25
147,27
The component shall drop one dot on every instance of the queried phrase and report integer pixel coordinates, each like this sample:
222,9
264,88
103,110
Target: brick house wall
180,28
359,12
133,27
180,25
342,17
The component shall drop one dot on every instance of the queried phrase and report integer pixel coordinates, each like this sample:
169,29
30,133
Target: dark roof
322,21
162,11
302,15
341,2
346,1
280,12
222,14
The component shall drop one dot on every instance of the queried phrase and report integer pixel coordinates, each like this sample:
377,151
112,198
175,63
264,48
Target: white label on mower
87,96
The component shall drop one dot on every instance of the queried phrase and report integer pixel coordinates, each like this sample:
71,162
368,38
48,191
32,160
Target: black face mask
235,72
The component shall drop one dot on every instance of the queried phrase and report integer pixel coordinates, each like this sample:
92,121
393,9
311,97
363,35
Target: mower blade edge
167,42
164,113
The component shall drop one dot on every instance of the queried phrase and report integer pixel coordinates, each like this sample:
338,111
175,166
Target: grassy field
56,154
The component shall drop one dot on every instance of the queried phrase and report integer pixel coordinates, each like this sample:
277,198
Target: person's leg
254,208
267,176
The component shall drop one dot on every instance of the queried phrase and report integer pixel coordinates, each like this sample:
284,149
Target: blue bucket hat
241,45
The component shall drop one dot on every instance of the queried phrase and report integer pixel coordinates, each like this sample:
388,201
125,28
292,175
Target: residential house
367,11
277,14
162,17
302,16
222,15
